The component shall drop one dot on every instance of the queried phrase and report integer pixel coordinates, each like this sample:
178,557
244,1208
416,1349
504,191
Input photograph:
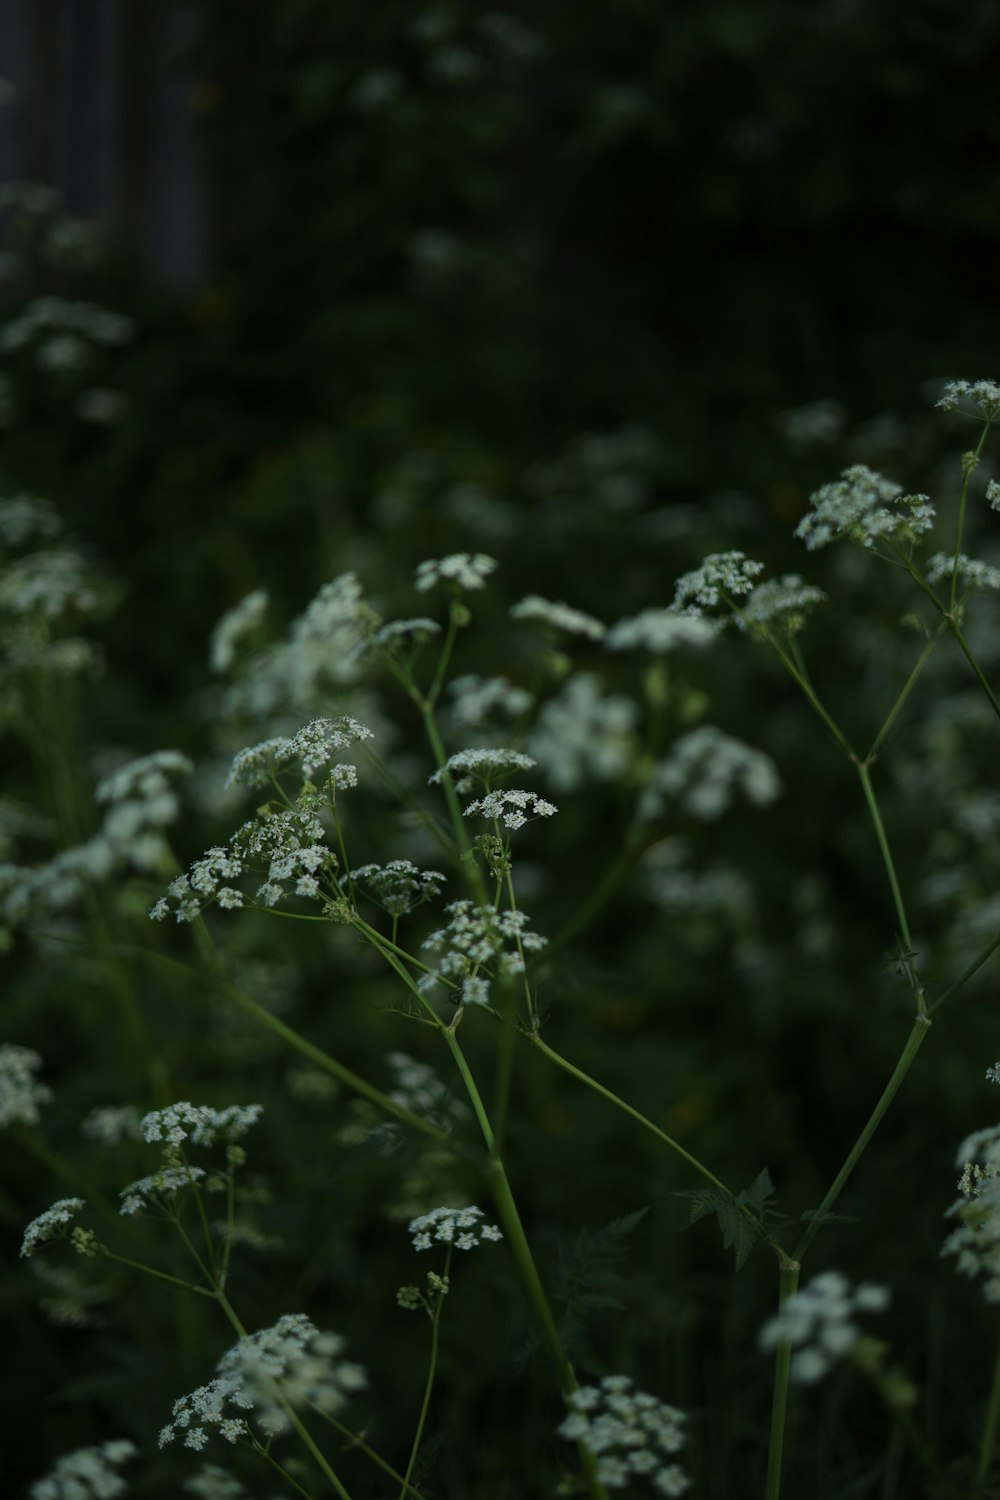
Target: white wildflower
865,507
584,734
993,494
165,1183
25,517
704,768
632,1435
86,1474
559,616
398,887
199,1123
481,764
512,807
287,842
112,1124
480,937
405,630
818,1323
463,570
722,577
20,1092
475,698
313,746
779,600
982,395
972,573
660,630
51,1224
291,1364
460,1227
235,626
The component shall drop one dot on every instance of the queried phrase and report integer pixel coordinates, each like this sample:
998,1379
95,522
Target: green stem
788,1282
138,1265
921,1026
301,1044
354,1441
428,1383
668,1140
521,1252
956,631
990,1425
908,687
803,681
966,973
968,469
603,891
897,895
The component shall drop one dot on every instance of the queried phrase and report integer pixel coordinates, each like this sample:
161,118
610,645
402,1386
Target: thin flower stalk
431,1374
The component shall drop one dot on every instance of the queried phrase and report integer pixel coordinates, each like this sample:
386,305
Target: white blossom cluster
584,734
313,746
49,584
464,570
58,324
325,645
166,1182
866,507
20,1091
290,844
477,936
674,886
559,616
660,631
398,887
972,573
86,1474
398,631
983,395
511,807
475,698
236,624
212,1483
419,1089
633,1436
480,764
291,1364
993,494
722,577
976,1241
112,1124
818,1323
200,1124
461,1227
51,1224
704,769
139,802
779,600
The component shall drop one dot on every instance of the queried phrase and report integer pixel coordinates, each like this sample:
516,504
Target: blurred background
298,287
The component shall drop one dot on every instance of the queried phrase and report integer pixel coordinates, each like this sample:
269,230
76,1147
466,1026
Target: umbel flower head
633,1436
866,508
976,1241
461,1227
86,1474
20,1092
291,1364
818,1323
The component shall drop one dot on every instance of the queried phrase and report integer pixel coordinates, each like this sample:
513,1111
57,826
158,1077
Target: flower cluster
779,601
976,1241
86,1474
660,631
460,1227
464,570
704,768
52,317
474,937
993,494
404,630
633,1436
865,507
20,1093
313,746
481,765
511,807
972,573
398,887
199,1123
559,616
235,626
50,1225
584,734
25,517
291,1364
289,843
722,577
475,698
983,395
167,1182
818,1323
